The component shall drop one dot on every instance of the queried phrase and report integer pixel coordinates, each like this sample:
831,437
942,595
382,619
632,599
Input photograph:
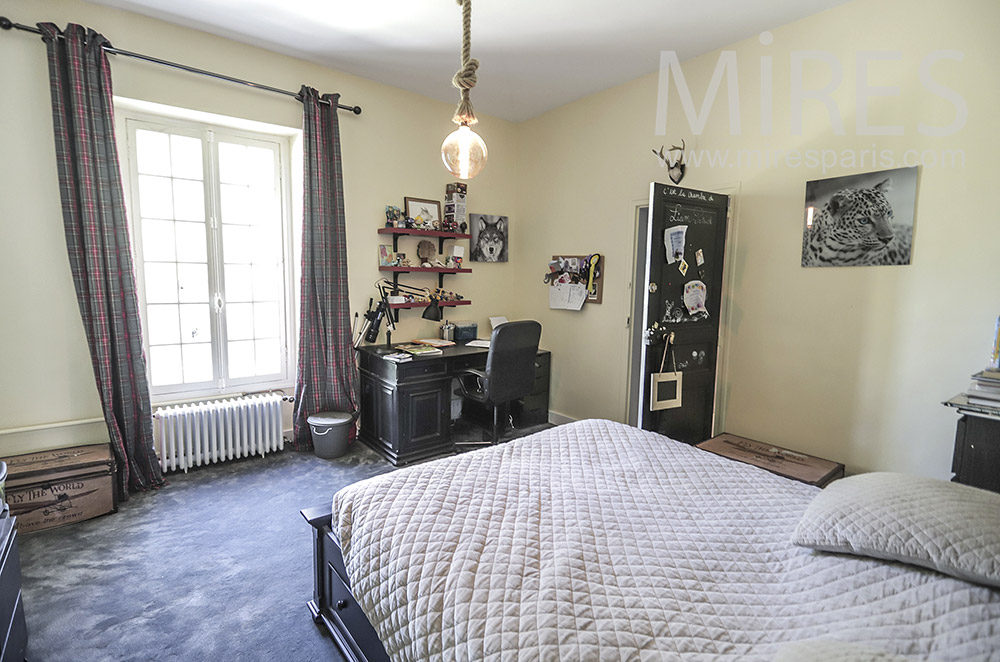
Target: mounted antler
681,149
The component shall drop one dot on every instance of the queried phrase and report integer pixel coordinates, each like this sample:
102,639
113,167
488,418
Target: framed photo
424,212
860,220
490,235
665,390
386,256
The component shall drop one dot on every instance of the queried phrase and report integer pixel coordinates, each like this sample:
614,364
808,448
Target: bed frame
333,605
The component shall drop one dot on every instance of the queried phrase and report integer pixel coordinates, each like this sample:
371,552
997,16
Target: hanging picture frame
860,220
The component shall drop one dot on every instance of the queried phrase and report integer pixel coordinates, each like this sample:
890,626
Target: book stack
419,350
985,388
398,357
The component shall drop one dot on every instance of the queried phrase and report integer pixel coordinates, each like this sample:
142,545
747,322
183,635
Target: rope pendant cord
465,78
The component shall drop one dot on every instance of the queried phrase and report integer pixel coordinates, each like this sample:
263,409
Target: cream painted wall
850,363
389,151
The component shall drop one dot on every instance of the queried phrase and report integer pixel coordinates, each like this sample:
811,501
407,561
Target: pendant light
464,151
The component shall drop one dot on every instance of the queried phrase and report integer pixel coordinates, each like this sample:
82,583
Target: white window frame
132,115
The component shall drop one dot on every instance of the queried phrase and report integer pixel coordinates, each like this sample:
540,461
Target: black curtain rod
7,24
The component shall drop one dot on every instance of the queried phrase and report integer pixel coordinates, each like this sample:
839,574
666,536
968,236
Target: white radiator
207,432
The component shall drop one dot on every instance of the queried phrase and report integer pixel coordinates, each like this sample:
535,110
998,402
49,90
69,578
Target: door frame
635,323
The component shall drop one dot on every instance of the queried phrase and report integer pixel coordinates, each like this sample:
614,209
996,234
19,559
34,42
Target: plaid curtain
327,376
100,252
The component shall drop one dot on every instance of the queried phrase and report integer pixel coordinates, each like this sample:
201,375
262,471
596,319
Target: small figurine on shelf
392,216
426,251
409,223
462,227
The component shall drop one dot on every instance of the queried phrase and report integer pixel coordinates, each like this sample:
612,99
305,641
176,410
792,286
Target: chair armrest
481,392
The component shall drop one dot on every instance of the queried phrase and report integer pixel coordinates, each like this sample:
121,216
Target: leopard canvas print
860,220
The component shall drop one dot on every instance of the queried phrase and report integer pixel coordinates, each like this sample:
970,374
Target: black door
685,249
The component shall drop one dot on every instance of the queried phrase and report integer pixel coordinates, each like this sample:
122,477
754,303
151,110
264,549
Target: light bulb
463,152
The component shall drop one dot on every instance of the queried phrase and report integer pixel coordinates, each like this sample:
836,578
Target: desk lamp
373,318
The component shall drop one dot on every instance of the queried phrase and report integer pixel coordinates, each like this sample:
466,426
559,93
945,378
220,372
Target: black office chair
510,370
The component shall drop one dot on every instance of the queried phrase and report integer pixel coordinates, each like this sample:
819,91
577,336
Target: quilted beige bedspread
598,541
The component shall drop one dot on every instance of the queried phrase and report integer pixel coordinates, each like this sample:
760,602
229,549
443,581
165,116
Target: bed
598,541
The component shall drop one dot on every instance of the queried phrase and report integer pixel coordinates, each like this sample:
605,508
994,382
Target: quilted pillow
951,528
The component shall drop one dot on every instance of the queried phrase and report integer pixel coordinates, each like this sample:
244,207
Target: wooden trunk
790,464
62,486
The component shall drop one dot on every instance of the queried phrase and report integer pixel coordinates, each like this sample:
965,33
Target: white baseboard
555,418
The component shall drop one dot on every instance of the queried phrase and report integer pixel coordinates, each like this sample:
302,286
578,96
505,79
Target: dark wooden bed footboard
333,605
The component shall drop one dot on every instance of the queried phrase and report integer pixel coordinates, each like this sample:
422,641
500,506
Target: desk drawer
416,369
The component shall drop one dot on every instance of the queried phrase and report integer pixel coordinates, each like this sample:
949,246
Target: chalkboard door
685,248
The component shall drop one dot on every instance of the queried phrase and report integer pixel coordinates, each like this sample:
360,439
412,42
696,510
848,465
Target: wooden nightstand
790,464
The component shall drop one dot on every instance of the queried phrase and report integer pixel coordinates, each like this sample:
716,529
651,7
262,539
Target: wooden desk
406,407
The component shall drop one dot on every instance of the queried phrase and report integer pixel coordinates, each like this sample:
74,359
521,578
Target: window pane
242,362
185,157
266,243
165,365
191,245
155,197
193,281
266,320
268,357
238,244
267,282
196,324
162,325
189,200
161,282
238,282
158,240
152,150
233,164
198,363
239,321
263,210
236,203
259,164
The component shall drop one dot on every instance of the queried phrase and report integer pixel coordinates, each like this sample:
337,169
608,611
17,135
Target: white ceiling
534,55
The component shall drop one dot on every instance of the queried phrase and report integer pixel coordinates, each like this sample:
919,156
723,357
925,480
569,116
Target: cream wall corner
852,363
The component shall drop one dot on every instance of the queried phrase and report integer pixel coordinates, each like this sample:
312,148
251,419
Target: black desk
406,407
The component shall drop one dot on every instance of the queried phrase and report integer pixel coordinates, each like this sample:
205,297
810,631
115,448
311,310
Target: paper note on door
674,240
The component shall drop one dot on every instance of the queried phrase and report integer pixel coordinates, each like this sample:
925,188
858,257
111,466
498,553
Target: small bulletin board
582,271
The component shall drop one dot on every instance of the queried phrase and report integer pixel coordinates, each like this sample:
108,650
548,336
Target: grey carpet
215,566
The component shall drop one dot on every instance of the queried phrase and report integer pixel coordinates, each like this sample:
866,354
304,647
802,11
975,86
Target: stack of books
419,350
985,388
398,357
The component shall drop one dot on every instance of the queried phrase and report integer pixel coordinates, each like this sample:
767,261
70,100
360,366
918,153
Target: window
209,213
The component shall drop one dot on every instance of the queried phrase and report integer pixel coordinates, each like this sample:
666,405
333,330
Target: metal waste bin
330,430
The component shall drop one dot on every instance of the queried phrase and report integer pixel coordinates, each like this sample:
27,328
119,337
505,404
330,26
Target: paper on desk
478,343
